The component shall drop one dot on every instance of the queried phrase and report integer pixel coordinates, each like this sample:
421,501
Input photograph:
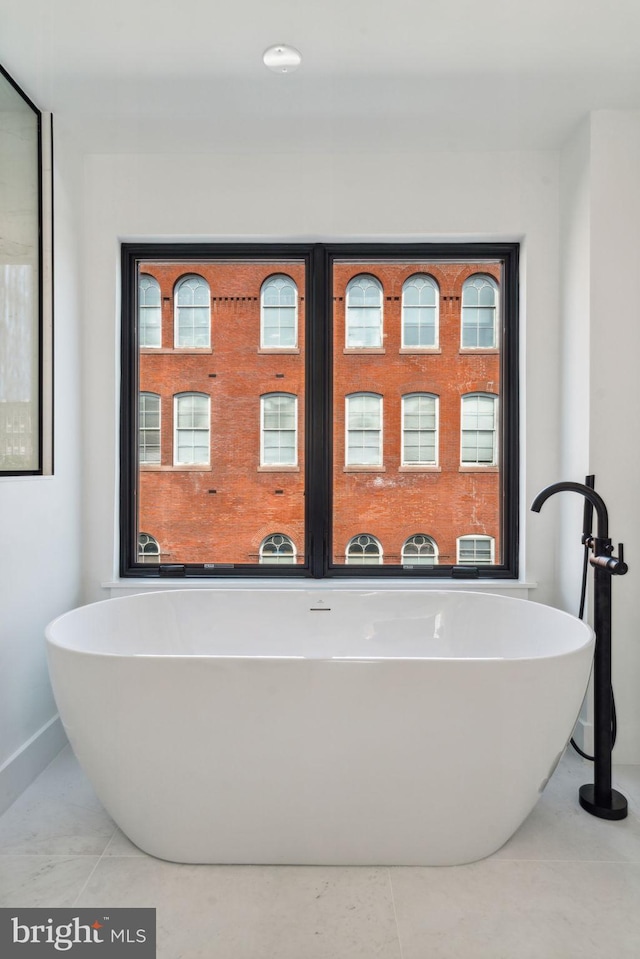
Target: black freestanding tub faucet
598,798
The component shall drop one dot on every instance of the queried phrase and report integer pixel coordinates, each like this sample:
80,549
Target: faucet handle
623,568
613,564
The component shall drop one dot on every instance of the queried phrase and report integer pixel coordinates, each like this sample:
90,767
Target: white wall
600,317
614,403
575,305
346,196
41,542
575,266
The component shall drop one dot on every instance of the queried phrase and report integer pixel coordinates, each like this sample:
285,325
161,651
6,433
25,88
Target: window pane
397,458
149,428
364,312
193,312
149,312
364,430
419,436
475,550
231,487
279,312
279,430
419,312
364,550
277,550
419,550
479,298
211,503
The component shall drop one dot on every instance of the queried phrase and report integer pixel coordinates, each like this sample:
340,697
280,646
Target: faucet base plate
616,808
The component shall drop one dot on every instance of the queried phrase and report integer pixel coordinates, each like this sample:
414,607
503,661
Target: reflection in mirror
25,301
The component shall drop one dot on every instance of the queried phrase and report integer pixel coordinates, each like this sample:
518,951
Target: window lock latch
464,572
171,569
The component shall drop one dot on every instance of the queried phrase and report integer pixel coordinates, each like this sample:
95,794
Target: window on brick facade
149,428
277,550
364,430
364,550
192,313
420,297
479,312
420,550
475,550
148,549
191,419
479,429
150,311
364,313
419,429
375,427
279,313
279,431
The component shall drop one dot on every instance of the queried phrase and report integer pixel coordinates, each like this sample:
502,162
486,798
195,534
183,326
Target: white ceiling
187,75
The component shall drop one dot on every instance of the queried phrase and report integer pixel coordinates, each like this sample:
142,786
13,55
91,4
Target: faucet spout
590,494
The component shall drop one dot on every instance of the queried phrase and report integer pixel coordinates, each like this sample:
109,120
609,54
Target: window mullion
318,433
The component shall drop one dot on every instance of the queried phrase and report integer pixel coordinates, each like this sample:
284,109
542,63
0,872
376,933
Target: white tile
58,815
42,880
254,912
497,909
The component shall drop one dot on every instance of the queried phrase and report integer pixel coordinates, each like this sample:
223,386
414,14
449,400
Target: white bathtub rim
589,635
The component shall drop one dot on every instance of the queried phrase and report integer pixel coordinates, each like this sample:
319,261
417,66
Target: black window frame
318,259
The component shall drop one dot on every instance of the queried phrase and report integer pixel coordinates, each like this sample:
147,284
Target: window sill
278,468
176,350
364,469
478,469
475,350
278,350
179,468
143,584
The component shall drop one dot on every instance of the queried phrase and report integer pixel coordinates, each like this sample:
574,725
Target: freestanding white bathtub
318,726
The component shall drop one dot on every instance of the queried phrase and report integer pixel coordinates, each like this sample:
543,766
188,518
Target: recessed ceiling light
282,58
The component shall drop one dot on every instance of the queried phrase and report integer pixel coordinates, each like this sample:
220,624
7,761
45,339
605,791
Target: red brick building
416,381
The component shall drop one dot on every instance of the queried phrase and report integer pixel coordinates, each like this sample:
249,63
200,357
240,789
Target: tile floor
566,886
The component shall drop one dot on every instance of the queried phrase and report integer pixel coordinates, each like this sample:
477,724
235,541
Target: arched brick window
479,312
149,311
277,550
278,313
148,548
192,313
364,312
420,550
420,299
364,550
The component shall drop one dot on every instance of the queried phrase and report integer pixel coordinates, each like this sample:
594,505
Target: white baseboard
20,769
